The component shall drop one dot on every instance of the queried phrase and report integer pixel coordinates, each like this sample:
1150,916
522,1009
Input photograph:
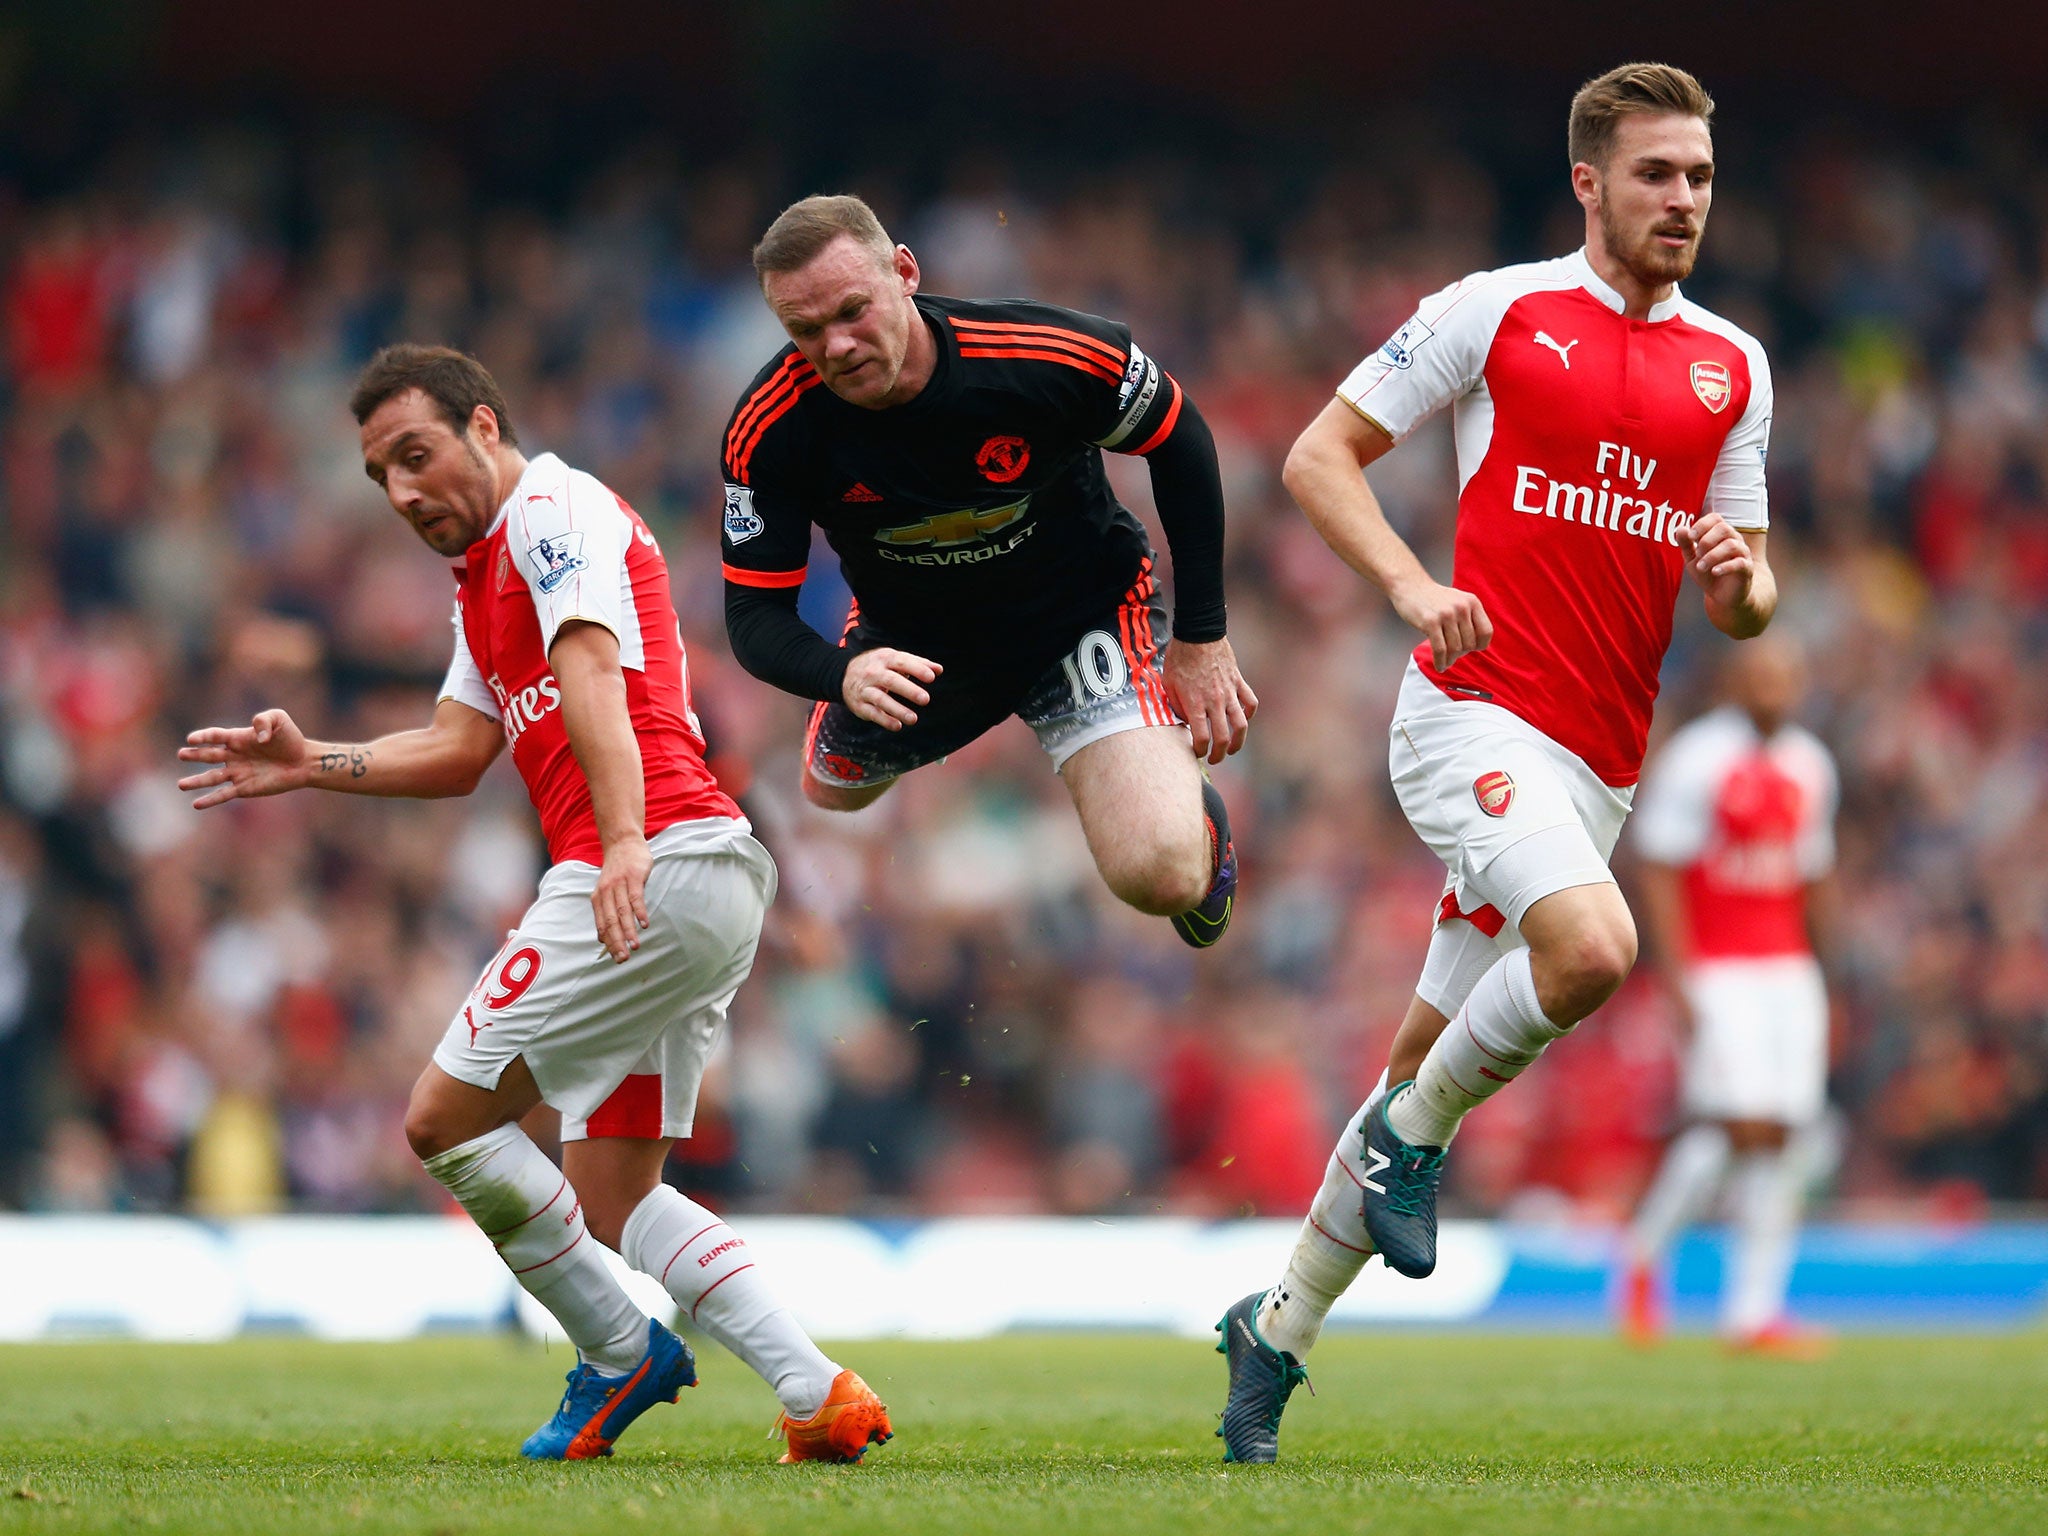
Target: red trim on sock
1336,1239
1503,1060
671,1264
508,1231
1463,1089
714,1285
544,1263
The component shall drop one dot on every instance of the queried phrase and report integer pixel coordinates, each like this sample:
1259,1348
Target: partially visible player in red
1736,835
1610,441
607,999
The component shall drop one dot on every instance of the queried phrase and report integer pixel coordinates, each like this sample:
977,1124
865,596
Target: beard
461,525
1642,257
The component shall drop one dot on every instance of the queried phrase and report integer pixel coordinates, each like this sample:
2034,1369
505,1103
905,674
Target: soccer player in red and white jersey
1736,834
1610,441
607,999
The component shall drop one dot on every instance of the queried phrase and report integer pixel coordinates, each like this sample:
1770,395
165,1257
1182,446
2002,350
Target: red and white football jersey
564,547
1586,441
1750,822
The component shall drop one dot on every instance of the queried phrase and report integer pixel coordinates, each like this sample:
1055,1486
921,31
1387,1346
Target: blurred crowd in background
224,1012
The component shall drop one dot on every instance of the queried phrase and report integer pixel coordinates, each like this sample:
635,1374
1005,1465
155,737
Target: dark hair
1649,88
454,381
803,229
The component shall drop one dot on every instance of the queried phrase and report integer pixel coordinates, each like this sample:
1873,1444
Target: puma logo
1564,353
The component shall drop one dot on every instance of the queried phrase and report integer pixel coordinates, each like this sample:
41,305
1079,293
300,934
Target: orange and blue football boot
1203,925
597,1408
851,1420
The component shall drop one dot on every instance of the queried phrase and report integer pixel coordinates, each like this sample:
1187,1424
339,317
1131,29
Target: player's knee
427,1131
824,796
1163,885
1583,971
834,797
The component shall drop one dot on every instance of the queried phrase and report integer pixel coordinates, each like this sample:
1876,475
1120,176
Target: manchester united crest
1711,383
1002,459
1495,792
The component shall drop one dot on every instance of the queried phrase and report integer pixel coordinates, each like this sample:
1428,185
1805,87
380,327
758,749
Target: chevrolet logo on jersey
960,527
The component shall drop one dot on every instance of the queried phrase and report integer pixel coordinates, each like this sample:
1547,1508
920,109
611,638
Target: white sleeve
1674,814
1817,837
464,683
1438,355
570,545
1737,489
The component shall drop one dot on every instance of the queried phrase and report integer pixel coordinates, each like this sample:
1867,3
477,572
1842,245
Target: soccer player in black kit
952,458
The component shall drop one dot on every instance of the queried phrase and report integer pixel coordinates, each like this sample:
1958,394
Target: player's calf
827,1413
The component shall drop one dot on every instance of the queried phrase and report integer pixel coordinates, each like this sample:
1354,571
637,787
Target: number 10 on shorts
1096,669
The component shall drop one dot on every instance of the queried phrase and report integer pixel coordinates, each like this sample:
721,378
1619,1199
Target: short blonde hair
805,228
1601,104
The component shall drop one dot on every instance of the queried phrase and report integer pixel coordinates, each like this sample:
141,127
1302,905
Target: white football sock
1685,1182
1331,1250
526,1207
1499,1031
1766,1227
705,1265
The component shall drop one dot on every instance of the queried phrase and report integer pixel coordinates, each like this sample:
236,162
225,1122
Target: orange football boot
1642,1306
1784,1339
852,1419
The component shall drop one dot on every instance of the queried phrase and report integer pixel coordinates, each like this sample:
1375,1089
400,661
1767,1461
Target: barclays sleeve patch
742,522
1401,346
556,558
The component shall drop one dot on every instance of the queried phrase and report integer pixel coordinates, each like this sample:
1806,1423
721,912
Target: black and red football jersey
975,520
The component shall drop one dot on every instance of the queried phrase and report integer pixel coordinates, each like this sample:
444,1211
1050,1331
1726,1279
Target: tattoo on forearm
355,759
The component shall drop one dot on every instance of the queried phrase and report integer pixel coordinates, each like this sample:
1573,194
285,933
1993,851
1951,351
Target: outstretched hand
1203,683
266,757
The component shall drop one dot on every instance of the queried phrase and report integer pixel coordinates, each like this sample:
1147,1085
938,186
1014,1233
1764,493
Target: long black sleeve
778,647
1188,489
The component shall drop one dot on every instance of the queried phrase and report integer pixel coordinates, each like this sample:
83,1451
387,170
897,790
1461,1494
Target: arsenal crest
1711,383
1495,792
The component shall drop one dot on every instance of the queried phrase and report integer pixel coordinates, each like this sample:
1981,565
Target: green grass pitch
1430,1434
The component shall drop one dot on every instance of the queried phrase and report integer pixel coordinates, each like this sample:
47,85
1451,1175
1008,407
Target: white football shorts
620,1049
1760,1040
1513,815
